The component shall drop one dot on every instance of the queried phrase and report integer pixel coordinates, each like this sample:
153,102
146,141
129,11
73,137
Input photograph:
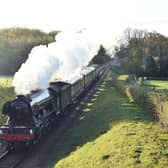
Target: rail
11,159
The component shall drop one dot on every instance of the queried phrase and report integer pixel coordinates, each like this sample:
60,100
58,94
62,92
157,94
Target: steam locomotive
30,115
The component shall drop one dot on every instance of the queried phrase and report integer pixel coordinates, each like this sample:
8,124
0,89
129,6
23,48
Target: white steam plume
62,58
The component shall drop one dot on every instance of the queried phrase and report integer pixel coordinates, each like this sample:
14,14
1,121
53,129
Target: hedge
153,102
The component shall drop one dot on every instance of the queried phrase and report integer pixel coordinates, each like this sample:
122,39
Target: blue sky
114,15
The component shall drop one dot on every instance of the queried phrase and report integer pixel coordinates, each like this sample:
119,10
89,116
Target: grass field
5,81
113,132
159,85
6,93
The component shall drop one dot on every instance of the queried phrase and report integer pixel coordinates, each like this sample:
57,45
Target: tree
16,44
139,49
151,67
101,57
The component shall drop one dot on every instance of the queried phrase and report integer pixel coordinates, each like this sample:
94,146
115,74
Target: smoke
61,59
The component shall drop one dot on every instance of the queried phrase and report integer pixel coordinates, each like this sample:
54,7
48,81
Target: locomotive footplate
20,134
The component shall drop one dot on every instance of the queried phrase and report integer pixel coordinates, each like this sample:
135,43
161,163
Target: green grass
113,132
159,85
123,77
5,81
6,93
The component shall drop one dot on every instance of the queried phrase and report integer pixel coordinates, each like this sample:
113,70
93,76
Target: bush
153,102
160,105
16,44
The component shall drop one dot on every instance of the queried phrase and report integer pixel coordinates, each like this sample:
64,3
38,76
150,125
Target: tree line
15,45
143,53
101,57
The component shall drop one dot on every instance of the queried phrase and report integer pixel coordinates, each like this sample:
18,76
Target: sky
104,15
105,19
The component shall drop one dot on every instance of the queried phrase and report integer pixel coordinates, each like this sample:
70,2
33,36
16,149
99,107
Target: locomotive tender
30,115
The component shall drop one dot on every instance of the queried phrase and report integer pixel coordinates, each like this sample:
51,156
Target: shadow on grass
106,108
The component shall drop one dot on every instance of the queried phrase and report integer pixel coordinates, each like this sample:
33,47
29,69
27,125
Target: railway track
11,159
4,154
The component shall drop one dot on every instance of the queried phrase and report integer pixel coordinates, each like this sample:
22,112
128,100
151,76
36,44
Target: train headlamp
31,131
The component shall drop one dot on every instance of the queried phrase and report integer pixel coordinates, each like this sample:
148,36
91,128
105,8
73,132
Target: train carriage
88,76
77,86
